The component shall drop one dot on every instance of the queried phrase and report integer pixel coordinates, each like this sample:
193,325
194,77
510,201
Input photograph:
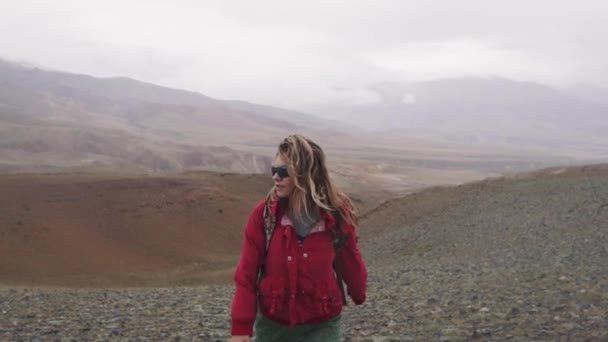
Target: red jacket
300,285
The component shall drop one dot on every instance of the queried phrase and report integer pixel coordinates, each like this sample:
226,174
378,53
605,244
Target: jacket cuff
358,300
242,328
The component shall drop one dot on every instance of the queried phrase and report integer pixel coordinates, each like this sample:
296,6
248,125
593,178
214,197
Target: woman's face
283,186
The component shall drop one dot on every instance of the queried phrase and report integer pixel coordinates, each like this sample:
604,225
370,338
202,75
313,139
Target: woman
299,245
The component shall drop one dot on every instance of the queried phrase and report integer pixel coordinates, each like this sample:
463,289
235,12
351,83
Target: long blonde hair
313,186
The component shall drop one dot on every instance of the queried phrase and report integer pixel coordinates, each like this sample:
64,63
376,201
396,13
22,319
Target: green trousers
266,330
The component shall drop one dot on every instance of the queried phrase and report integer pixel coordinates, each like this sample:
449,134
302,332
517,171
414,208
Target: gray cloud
294,53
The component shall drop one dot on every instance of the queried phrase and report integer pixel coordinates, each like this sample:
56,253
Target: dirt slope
519,258
110,229
113,230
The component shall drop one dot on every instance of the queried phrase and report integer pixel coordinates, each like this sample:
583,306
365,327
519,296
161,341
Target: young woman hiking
300,246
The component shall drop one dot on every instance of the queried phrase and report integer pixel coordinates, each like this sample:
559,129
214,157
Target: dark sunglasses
280,170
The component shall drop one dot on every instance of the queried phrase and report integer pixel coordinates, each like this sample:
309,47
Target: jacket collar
330,221
277,209
274,207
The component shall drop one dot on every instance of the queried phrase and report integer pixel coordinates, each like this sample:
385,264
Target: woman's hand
240,339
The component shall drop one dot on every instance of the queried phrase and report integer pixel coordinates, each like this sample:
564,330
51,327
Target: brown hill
122,230
110,229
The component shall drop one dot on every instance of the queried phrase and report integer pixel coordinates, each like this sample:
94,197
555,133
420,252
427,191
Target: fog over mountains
54,119
485,111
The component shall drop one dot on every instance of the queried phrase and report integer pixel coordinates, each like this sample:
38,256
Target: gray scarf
304,224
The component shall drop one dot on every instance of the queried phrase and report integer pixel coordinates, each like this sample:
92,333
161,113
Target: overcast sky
292,53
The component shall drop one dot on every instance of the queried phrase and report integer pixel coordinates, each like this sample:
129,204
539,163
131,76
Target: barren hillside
519,258
122,230
514,258
110,229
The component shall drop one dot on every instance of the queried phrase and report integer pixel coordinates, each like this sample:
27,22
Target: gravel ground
510,259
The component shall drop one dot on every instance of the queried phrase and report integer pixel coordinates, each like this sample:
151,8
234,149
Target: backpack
339,240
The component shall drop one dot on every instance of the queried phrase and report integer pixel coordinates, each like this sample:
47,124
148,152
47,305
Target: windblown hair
313,187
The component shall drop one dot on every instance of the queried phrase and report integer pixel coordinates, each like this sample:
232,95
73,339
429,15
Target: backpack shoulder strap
339,240
269,225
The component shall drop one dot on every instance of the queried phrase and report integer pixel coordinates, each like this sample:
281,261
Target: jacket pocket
271,295
320,299
329,300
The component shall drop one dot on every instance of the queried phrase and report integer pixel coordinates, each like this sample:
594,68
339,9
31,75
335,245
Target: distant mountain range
51,120
494,111
55,119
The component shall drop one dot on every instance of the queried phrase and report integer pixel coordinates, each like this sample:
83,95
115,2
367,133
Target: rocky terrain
519,258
